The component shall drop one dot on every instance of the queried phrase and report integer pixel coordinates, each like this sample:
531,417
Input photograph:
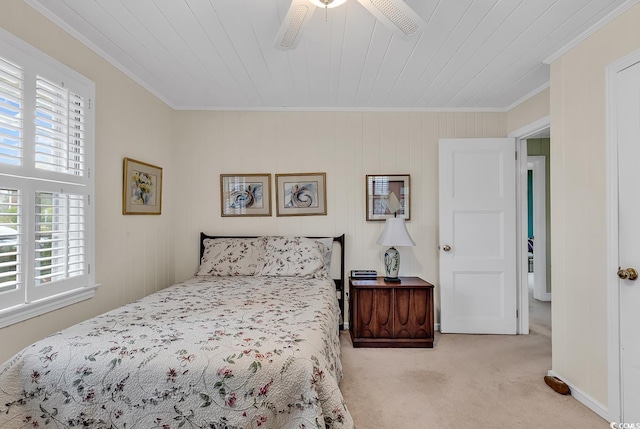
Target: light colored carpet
475,381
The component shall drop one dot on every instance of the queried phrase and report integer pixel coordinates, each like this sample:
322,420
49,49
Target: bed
251,341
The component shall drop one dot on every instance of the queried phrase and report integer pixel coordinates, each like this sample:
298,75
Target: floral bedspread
224,352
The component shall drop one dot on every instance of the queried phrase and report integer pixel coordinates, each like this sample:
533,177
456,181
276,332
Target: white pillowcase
232,256
294,257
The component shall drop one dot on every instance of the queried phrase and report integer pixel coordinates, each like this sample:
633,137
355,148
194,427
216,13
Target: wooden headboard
340,281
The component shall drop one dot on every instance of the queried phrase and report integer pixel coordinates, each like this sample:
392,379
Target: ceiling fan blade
396,15
290,32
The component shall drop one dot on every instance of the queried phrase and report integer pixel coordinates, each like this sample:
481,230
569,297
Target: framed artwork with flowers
245,194
142,188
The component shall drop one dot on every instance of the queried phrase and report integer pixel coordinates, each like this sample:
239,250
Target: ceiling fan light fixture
291,34
328,3
297,16
396,15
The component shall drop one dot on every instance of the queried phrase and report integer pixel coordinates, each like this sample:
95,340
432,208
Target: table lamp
395,234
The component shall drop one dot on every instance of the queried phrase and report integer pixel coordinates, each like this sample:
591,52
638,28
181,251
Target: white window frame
29,180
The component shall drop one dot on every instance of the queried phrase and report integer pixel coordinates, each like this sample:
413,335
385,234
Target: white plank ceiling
219,54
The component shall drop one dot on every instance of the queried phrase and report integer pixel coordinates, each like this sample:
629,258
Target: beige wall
578,203
529,111
134,254
346,146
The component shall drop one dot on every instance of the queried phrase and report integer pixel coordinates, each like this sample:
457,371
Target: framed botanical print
383,189
245,194
141,188
301,194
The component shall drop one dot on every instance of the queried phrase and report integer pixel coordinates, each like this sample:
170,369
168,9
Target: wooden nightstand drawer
391,314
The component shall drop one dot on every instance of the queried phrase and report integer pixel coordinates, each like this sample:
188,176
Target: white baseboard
545,296
583,398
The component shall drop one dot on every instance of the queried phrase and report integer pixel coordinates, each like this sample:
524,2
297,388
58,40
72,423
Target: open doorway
538,233
531,310
538,216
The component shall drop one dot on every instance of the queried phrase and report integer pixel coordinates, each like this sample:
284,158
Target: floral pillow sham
328,245
232,256
266,256
294,257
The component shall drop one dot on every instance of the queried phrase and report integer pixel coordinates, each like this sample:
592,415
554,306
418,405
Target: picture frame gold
141,188
245,195
301,194
379,187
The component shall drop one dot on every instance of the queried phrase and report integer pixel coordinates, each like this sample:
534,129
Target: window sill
22,312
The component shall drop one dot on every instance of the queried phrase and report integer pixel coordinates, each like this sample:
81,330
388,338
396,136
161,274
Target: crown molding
39,6
526,97
597,26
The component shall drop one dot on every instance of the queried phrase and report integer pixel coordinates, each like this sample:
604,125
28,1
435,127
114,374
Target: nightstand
391,314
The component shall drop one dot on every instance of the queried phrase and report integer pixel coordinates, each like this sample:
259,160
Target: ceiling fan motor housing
327,3
395,14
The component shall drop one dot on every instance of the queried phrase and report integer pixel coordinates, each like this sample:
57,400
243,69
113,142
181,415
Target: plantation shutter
11,261
11,112
47,220
60,121
59,237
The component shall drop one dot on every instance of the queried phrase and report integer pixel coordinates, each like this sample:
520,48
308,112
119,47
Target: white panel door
477,236
628,125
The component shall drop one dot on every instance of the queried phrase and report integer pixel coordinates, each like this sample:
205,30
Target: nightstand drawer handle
446,248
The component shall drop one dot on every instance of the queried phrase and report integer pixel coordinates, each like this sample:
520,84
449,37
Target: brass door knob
446,248
628,274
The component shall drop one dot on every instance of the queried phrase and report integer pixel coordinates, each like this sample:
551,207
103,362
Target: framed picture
301,194
141,188
245,194
379,190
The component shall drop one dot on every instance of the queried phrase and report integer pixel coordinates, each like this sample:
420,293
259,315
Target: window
46,156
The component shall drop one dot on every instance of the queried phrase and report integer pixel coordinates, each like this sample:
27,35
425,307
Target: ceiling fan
395,14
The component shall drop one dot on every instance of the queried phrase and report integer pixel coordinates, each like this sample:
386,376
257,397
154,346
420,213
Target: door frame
522,257
537,163
613,290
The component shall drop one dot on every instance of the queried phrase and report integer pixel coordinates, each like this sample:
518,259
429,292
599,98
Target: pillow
231,256
328,243
294,257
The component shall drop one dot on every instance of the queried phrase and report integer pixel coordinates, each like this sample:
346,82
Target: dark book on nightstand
364,274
